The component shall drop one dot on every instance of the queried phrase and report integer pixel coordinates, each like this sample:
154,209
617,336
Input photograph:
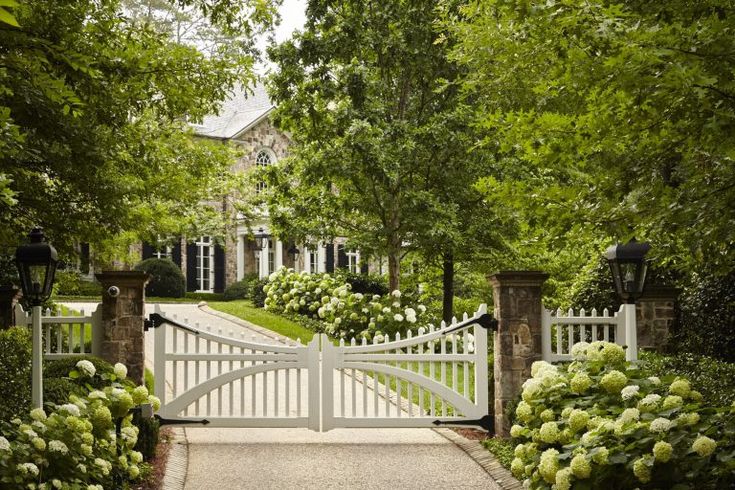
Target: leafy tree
612,117
94,107
380,135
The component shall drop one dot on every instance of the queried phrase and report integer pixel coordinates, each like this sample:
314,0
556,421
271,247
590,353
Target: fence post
517,342
122,320
631,335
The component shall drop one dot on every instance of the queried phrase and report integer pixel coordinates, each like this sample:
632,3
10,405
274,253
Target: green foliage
501,448
70,283
167,280
707,317
240,289
600,422
706,373
365,284
58,390
148,432
15,371
257,293
205,296
607,119
94,140
60,368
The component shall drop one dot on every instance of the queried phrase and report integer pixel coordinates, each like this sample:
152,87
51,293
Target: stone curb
174,477
503,478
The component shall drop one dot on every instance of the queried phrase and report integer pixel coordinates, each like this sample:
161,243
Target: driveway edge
174,477
244,323
503,478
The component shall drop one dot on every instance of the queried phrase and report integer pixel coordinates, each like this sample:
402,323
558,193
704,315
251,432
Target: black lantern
293,252
36,264
261,238
628,266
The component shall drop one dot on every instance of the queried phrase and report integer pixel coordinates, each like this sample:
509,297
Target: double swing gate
438,376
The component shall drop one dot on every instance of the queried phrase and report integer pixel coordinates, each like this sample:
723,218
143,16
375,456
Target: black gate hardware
487,422
164,421
155,320
485,320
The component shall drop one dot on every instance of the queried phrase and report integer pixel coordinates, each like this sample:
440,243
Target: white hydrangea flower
38,414
120,370
97,395
579,350
410,312
660,425
386,310
4,444
421,308
86,368
57,447
629,392
655,380
396,294
27,469
396,304
70,408
398,317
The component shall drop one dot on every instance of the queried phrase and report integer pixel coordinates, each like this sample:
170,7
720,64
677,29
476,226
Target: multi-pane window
353,261
205,264
262,160
313,261
163,252
271,256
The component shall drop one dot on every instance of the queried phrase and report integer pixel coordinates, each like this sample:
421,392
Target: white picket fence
65,336
560,331
403,382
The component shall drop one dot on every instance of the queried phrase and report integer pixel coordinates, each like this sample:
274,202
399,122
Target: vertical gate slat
232,383
209,374
219,372
354,385
421,372
432,374
253,380
364,387
399,383
186,368
443,365
342,396
174,345
465,367
409,366
196,370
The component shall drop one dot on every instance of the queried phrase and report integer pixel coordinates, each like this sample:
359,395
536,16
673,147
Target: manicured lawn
247,311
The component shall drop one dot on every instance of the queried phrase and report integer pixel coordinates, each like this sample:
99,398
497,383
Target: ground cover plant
600,422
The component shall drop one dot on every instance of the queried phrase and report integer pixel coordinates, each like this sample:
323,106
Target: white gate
438,376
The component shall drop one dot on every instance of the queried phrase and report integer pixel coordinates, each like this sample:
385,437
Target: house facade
210,265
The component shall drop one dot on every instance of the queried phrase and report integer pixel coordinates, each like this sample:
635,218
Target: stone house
210,265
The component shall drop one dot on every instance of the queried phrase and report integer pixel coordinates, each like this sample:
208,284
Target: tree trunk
394,270
448,287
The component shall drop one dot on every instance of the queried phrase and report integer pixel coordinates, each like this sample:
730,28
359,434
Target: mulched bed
158,463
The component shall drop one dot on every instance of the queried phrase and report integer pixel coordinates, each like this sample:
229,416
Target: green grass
245,310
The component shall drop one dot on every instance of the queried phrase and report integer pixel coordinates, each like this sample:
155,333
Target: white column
631,333
264,259
307,260
36,360
279,255
321,257
240,257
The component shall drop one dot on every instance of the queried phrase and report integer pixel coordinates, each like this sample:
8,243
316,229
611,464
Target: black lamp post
36,262
261,238
293,252
628,266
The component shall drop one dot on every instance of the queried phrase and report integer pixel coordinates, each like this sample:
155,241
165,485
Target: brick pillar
122,319
9,297
517,342
655,314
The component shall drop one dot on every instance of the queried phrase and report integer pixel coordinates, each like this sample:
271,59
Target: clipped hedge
240,289
15,371
257,292
167,280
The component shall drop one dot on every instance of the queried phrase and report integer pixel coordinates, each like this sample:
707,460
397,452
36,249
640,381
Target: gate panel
233,382
412,382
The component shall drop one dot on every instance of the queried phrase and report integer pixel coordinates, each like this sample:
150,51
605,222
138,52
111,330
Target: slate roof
239,112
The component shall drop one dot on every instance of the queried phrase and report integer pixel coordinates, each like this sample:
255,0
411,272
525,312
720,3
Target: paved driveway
299,458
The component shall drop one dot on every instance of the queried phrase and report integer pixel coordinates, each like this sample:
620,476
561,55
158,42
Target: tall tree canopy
380,136
94,110
613,116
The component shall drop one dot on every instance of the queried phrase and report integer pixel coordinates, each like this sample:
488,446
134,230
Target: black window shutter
341,257
363,265
84,258
191,267
219,269
176,252
147,251
330,258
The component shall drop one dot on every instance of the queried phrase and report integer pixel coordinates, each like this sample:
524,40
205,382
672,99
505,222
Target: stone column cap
123,278
518,278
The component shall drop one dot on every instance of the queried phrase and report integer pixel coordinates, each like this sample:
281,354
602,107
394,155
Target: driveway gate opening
437,376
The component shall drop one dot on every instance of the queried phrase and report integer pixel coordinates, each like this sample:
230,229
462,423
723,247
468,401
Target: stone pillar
9,297
122,320
655,315
517,342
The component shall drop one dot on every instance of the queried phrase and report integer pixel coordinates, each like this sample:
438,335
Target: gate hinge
487,422
164,421
155,320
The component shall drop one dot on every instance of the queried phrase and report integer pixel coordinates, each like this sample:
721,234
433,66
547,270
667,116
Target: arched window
264,158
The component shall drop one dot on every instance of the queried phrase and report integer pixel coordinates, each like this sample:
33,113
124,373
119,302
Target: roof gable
239,112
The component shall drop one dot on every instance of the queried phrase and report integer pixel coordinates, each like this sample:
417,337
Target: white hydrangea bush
74,445
601,422
343,313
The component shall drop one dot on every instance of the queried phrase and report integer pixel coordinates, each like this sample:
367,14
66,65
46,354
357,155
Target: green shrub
15,372
70,283
364,283
205,296
58,390
707,320
706,373
60,368
239,289
502,449
257,294
148,432
167,281
600,422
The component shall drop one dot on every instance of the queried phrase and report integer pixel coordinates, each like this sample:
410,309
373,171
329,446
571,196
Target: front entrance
436,376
